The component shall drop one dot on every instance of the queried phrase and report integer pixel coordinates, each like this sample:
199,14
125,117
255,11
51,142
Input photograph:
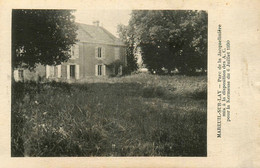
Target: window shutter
76,52
96,70
77,71
68,71
103,52
96,52
59,71
47,71
104,70
51,74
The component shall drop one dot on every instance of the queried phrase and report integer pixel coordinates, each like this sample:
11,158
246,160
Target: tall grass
140,115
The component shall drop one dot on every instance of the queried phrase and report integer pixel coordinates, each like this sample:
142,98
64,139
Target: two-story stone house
90,56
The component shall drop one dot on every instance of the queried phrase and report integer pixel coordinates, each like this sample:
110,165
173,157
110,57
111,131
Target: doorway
72,71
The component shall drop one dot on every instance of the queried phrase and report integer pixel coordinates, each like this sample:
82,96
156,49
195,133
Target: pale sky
109,19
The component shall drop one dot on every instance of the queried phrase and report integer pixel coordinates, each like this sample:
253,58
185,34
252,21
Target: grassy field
138,115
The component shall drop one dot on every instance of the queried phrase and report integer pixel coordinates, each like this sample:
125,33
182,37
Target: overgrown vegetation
138,115
168,40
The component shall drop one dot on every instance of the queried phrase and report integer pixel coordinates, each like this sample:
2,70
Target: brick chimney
96,23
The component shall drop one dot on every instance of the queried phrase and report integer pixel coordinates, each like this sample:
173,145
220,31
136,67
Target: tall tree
171,40
126,35
42,37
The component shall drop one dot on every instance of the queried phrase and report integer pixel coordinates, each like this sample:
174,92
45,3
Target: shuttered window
73,71
100,52
74,51
99,70
50,71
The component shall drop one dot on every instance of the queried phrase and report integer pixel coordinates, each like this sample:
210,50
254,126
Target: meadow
137,115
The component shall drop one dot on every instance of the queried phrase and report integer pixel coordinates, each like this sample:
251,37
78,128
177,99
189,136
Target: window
99,70
50,71
20,74
99,52
72,71
74,51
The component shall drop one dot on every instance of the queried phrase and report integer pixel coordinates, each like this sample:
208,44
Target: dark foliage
126,35
171,40
41,37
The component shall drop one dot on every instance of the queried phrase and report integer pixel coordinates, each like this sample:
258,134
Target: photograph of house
92,56
133,83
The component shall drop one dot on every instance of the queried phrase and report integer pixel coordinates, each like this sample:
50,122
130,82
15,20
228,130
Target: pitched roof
96,34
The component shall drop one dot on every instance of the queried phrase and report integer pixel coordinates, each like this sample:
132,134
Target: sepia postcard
117,83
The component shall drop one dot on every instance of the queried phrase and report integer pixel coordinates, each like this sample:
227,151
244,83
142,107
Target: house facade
92,56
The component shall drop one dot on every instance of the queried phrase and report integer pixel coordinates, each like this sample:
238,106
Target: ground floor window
99,70
72,71
53,71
